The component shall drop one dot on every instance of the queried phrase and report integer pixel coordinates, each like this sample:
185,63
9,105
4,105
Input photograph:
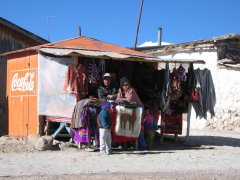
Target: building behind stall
222,57
12,37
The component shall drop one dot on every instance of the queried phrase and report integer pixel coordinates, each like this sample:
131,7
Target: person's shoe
109,152
103,153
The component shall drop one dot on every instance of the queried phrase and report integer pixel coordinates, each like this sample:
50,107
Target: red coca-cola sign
23,82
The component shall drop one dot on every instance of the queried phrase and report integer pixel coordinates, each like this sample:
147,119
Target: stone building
222,57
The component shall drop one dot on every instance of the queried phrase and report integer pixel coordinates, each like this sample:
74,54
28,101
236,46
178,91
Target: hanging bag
194,95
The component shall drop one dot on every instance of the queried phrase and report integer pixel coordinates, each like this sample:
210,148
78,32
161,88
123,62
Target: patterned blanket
128,121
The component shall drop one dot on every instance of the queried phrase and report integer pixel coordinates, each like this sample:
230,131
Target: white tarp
114,55
52,100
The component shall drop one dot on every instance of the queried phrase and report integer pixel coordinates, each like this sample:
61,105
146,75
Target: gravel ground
208,155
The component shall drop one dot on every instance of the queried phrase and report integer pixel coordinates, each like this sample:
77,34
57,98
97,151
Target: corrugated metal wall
22,93
11,40
3,100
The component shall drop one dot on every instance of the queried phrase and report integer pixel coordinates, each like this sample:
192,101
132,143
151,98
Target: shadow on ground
194,142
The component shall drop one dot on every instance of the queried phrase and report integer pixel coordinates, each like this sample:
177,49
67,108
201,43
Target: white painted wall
228,100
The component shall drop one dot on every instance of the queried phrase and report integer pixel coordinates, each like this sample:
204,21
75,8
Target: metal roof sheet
94,48
85,43
112,55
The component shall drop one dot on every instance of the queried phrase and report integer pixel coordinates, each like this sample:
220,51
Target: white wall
228,101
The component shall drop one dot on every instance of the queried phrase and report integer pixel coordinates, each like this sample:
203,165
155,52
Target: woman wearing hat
127,93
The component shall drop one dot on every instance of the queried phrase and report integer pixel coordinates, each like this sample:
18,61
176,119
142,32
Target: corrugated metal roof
112,55
85,43
94,48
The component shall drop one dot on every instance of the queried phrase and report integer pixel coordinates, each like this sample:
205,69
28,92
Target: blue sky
115,21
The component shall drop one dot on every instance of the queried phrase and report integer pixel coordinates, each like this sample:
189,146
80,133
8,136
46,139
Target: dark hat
123,80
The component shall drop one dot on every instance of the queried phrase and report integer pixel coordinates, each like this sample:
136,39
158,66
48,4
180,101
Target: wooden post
89,133
46,129
176,137
136,145
161,138
188,120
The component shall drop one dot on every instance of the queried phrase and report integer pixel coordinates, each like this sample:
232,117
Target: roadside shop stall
36,78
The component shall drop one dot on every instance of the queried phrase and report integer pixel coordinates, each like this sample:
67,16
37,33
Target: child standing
150,126
105,130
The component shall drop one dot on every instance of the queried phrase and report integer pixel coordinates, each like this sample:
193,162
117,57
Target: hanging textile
207,96
181,72
128,121
78,114
81,134
76,79
92,72
166,91
115,138
89,128
101,68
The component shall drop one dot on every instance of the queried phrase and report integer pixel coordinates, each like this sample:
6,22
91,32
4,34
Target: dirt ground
207,155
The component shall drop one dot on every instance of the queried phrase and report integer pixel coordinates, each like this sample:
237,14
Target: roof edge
23,31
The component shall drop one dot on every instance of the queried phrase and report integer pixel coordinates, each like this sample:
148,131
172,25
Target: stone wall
227,109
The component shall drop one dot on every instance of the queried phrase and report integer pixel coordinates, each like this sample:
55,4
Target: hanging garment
76,78
101,68
89,128
207,96
92,72
81,134
181,73
158,79
191,80
78,113
166,91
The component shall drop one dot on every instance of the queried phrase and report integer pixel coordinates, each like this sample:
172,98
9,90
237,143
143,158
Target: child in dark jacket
105,130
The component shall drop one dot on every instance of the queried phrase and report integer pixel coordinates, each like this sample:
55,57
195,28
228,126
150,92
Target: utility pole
79,31
48,24
139,19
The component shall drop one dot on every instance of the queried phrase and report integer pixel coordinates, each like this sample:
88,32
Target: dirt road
208,155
